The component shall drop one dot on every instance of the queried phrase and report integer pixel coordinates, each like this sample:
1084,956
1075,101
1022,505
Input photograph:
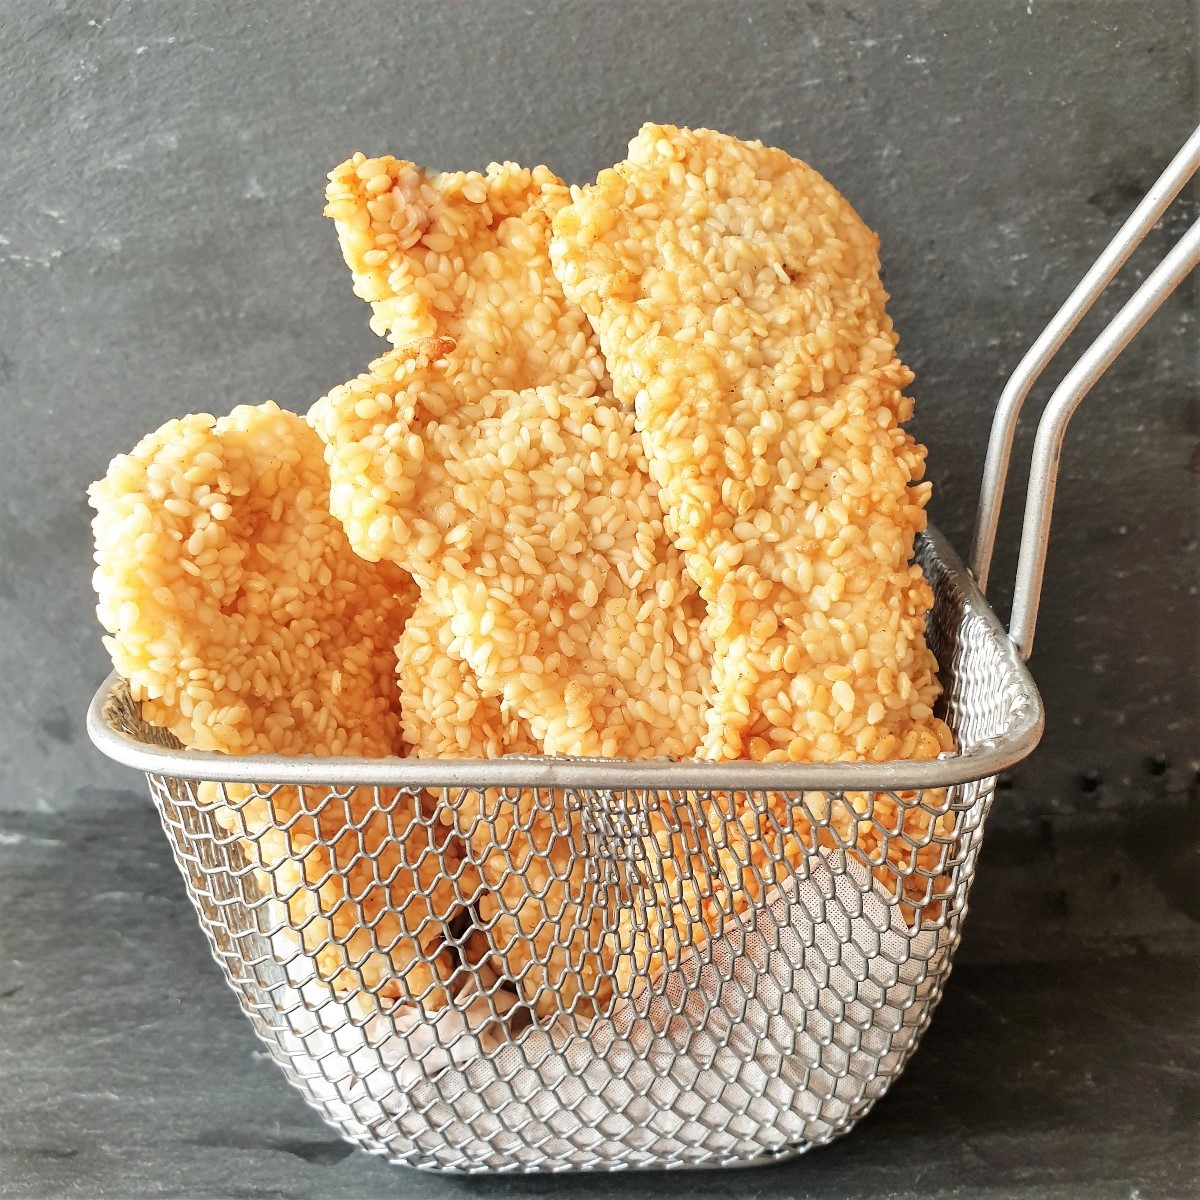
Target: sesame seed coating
444,712
529,520
464,255
738,302
245,624
739,306
549,593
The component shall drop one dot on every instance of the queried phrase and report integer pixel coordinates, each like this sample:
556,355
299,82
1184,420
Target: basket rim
986,759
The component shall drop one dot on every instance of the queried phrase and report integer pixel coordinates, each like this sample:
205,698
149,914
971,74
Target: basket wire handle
1000,442
1047,446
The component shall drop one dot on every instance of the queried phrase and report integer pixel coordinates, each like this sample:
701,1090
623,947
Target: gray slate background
162,251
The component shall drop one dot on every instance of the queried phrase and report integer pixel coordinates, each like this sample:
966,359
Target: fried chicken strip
466,256
525,514
529,520
556,914
532,527
244,623
738,303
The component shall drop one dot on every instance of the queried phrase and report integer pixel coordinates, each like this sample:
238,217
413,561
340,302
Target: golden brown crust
234,604
738,302
245,624
739,306
464,255
555,617
530,522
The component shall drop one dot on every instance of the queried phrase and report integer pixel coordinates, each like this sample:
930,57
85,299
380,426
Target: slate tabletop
1064,1060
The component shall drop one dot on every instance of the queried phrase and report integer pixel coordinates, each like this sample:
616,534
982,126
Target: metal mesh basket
773,1036
679,963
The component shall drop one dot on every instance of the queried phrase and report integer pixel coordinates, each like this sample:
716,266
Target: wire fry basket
678,964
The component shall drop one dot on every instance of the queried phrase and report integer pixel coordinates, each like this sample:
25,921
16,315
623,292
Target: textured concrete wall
162,251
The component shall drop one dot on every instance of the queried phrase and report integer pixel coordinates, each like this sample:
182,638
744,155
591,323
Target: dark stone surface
1064,1061
162,251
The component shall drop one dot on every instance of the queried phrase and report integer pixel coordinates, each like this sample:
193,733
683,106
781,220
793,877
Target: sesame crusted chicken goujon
588,646
533,528
555,616
465,255
466,258
244,623
529,521
738,302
